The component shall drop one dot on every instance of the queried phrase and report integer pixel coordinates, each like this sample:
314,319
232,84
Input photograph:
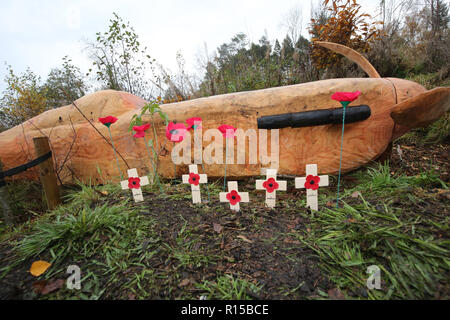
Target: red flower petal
227,131
107,121
194,123
194,179
233,197
270,185
345,96
134,183
312,182
176,131
140,130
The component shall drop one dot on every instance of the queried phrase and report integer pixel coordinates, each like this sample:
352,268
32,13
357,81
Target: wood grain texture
363,141
422,110
47,173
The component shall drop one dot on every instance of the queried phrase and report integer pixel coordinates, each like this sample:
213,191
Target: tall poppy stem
155,173
174,166
226,156
114,149
155,165
344,104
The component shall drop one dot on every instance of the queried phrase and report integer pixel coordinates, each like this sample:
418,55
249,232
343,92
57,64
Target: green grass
71,233
429,80
105,239
120,250
437,132
403,242
185,253
228,288
378,180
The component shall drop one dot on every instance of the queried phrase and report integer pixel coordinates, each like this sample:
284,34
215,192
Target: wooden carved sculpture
307,119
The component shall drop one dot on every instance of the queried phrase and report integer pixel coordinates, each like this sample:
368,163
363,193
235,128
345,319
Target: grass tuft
403,242
228,288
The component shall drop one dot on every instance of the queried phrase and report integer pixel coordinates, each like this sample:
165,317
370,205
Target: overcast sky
37,34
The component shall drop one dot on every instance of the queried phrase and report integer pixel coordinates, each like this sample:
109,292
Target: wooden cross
194,179
271,185
135,183
312,182
233,196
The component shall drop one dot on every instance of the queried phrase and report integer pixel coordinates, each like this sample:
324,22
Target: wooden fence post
47,173
4,201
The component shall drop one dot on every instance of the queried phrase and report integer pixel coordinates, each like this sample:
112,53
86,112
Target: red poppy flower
270,185
107,121
227,131
345,96
140,130
194,179
233,197
312,182
176,131
194,123
134,183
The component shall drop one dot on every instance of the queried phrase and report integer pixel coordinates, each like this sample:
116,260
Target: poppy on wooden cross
312,182
194,179
233,196
135,183
271,185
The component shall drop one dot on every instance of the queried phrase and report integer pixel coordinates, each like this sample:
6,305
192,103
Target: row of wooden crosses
311,183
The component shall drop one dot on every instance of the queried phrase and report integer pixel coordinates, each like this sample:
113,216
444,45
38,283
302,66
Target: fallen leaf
291,226
184,282
38,286
245,239
220,267
329,204
39,267
52,286
104,192
355,194
443,193
288,240
336,294
351,220
45,287
217,227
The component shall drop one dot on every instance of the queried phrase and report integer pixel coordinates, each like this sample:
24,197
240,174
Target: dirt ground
251,243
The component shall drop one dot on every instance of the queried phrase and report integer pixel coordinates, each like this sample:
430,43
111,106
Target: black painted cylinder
314,118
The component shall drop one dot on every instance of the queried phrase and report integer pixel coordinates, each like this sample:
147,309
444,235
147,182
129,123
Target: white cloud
39,33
